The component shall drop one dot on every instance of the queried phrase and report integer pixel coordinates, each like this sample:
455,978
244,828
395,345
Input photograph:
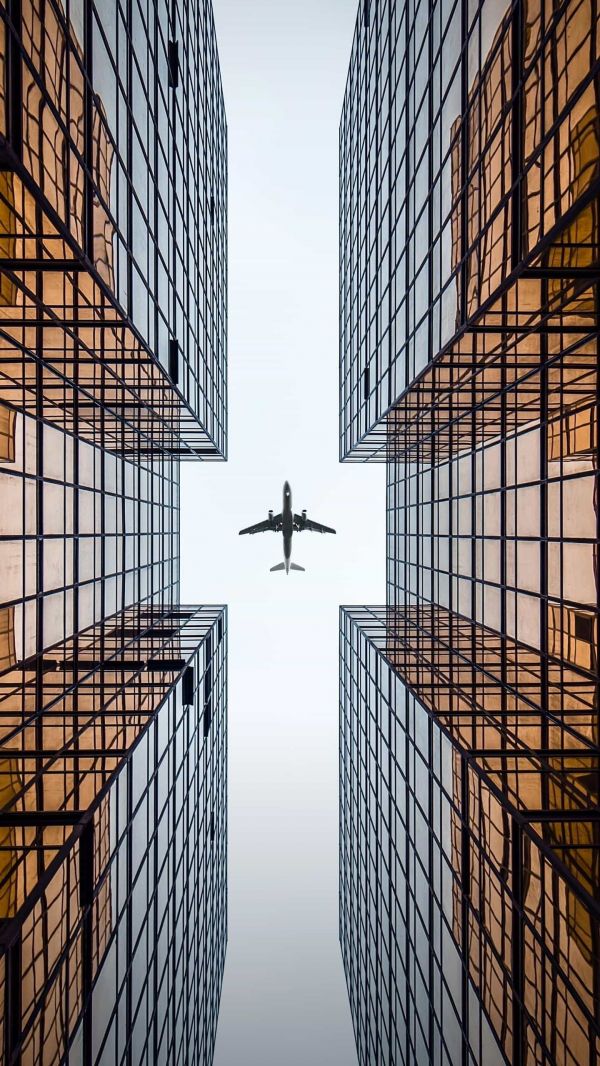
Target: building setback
469,720
113,696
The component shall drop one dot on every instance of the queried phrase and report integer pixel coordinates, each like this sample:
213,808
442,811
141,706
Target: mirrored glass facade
469,847
113,218
113,696
113,842
469,729
468,199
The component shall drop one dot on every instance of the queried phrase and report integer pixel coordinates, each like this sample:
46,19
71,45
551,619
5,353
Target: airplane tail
280,566
294,566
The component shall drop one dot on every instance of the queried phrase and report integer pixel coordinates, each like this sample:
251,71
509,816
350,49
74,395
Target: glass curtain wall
469,729
113,696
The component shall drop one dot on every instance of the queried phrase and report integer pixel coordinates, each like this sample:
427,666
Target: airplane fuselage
287,525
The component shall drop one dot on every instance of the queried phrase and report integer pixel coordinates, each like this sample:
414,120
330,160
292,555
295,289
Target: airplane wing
269,525
300,523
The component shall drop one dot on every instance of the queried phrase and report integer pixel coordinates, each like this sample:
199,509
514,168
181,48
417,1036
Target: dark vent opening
173,63
366,382
86,865
174,360
141,633
584,627
208,687
188,686
13,85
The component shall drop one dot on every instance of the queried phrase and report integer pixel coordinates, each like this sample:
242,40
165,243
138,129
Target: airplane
287,523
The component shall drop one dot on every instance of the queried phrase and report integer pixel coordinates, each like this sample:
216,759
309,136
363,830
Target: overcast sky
284,67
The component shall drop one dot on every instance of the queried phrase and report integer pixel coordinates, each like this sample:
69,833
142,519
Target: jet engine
270,516
304,516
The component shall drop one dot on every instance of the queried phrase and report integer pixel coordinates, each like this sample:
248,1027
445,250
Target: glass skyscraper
113,696
469,720
113,218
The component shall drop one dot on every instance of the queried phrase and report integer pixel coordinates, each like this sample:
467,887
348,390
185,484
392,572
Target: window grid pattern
113,854
493,512
469,222
469,913
113,833
83,532
113,205
468,190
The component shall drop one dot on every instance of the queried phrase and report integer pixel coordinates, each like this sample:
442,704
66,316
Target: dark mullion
13,85
543,535
76,546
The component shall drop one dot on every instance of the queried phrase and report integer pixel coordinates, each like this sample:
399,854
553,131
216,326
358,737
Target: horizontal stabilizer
280,566
294,566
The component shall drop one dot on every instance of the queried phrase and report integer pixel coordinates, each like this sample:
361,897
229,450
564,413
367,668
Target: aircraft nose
286,487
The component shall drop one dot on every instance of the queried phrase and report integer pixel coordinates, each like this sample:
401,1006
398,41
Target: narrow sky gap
284,69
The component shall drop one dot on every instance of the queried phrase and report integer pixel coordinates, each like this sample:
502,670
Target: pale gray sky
284,67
